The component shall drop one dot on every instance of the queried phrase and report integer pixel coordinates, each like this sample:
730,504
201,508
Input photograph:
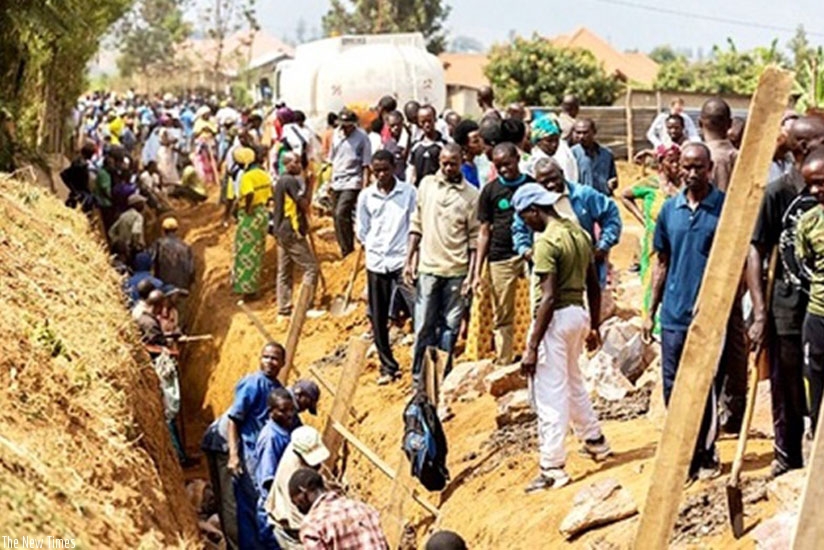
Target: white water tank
328,74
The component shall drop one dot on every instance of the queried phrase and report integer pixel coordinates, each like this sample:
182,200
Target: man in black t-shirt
291,203
785,200
424,154
496,214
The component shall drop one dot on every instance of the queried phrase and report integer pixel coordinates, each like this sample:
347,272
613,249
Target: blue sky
623,26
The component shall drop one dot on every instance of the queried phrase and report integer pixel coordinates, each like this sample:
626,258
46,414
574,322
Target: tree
466,44
727,70
221,20
663,54
45,47
379,16
149,36
535,72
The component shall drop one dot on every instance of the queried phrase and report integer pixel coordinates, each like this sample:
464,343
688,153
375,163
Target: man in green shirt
809,247
564,269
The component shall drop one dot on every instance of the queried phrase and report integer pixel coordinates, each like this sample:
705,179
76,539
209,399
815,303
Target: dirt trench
485,500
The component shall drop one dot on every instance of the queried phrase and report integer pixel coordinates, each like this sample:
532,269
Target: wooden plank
380,464
295,329
809,531
328,387
397,499
343,397
630,129
705,338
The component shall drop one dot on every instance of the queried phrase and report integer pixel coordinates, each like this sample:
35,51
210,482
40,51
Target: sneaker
386,379
597,449
553,478
710,467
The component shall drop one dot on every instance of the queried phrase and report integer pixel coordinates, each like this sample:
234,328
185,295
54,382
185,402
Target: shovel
735,501
342,305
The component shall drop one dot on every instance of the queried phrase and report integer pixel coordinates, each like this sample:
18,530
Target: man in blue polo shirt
683,238
247,416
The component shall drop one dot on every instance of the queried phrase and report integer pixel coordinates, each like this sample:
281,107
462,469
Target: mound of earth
84,449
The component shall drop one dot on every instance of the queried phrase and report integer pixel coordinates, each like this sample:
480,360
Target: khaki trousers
504,276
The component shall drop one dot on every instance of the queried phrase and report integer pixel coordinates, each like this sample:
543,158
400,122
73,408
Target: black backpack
425,443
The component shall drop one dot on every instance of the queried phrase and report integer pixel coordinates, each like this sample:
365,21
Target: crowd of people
444,208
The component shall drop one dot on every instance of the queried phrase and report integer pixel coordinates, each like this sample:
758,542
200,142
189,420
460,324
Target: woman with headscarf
653,190
250,238
545,135
204,133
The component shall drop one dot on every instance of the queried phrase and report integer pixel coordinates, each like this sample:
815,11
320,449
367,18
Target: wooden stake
706,334
380,464
630,134
343,397
295,328
809,531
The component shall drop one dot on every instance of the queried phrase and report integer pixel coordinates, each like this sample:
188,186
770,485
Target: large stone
464,379
514,408
602,376
775,533
601,503
630,360
505,379
786,490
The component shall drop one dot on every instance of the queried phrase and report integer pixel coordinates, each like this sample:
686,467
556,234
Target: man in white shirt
657,133
382,224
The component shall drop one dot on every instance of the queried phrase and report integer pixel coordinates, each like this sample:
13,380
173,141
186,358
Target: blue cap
533,194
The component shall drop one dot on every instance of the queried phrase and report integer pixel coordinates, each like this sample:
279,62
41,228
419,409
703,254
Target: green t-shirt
809,247
565,250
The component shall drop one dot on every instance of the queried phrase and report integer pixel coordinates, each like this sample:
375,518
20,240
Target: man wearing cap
590,207
350,156
305,395
564,271
128,229
306,450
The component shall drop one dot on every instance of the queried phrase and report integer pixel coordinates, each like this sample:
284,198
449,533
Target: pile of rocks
622,367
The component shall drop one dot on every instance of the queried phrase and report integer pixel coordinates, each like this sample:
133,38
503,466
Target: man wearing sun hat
306,450
564,270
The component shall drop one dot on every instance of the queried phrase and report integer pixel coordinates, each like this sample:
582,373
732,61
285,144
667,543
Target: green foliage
728,70
378,16
45,47
808,63
663,54
535,72
220,20
149,37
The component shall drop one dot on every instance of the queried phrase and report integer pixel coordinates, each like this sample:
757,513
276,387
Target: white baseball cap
308,444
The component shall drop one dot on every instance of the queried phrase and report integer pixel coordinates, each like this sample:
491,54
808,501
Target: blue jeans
672,346
439,308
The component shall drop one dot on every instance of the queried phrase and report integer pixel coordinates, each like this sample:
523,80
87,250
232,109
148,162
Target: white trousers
559,392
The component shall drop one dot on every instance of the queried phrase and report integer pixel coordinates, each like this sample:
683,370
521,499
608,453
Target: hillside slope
84,450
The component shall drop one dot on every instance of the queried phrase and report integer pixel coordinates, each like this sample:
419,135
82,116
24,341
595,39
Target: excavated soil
84,449
485,500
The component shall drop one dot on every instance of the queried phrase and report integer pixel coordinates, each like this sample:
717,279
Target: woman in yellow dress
250,238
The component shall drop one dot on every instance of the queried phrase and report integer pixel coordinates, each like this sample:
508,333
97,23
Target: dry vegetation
84,451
